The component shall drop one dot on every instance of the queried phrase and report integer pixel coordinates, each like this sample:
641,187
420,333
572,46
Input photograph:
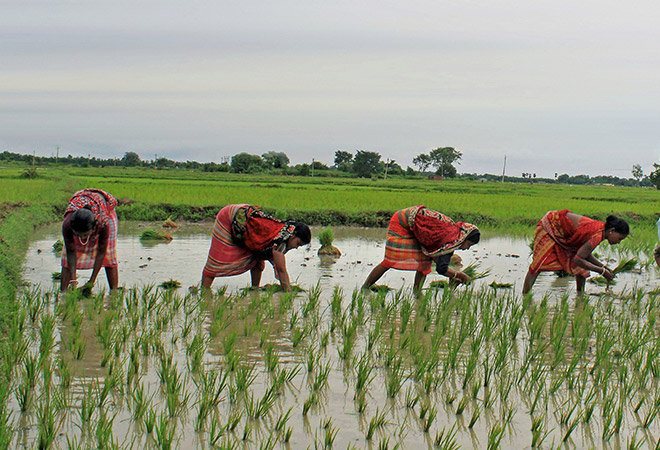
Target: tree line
442,161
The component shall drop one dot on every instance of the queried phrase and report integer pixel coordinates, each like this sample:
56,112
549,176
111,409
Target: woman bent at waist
244,237
416,237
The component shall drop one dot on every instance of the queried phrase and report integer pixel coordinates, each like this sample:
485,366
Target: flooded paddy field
331,366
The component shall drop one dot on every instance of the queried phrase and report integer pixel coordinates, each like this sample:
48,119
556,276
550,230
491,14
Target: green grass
159,194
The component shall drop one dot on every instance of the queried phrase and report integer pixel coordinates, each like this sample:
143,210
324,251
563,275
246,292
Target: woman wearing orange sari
565,241
418,236
244,237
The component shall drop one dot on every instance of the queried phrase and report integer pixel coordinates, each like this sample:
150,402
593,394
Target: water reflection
141,264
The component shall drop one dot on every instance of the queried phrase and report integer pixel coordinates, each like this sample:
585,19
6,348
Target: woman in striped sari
418,236
89,231
244,237
565,241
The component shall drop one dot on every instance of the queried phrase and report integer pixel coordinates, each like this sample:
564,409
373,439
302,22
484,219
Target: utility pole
312,167
387,165
33,154
504,169
57,155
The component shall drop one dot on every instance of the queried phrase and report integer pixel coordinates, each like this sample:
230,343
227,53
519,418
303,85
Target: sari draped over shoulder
416,235
99,202
102,205
243,235
557,241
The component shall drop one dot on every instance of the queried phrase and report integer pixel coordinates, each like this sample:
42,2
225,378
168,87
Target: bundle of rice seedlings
471,271
380,288
496,285
58,246
170,284
601,281
153,235
169,223
86,290
325,238
625,266
272,288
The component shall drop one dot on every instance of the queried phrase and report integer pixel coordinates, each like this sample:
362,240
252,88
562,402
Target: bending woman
565,240
416,237
89,231
244,237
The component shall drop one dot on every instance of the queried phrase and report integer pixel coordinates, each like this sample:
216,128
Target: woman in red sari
244,237
416,237
89,231
565,241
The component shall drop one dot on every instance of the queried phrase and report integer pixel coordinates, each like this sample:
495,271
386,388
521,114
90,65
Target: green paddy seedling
376,423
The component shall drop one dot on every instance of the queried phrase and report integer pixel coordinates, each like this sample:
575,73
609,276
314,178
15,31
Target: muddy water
183,258
140,263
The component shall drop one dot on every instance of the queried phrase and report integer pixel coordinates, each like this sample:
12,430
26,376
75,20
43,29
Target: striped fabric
226,257
557,241
402,251
86,254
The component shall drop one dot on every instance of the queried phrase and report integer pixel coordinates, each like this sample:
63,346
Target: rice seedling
260,409
330,434
361,402
495,435
104,437
58,245
428,421
309,403
164,432
495,285
154,236
462,405
150,419
170,284
395,378
473,272
475,416
321,378
446,439
363,373
376,423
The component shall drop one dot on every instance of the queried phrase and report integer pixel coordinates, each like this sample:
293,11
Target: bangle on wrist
602,271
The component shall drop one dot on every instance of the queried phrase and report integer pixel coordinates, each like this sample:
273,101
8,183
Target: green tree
422,161
131,159
343,160
366,164
443,159
654,176
246,163
276,160
637,173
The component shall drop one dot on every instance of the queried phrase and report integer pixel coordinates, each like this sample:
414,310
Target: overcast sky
557,86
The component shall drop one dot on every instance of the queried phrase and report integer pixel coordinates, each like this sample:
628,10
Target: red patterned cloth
226,257
402,250
417,234
86,253
99,202
557,241
439,234
243,236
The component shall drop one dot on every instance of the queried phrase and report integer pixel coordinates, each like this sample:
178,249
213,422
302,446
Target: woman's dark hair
82,220
474,236
302,231
619,225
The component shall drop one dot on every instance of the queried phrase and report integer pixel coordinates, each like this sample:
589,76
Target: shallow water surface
390,336
507,259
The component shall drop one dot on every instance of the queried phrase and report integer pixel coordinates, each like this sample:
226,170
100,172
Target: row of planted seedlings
447,368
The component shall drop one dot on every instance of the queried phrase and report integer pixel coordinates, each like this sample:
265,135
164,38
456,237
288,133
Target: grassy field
258,369
154,195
